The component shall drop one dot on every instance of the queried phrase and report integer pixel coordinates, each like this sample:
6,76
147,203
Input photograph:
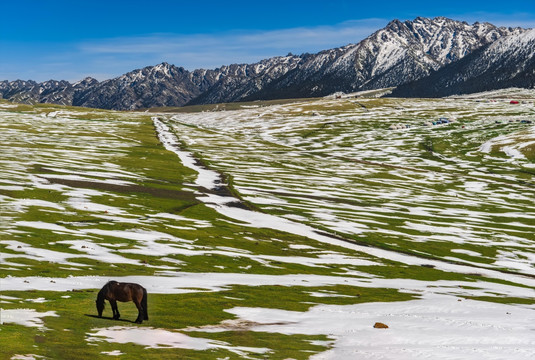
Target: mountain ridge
400,53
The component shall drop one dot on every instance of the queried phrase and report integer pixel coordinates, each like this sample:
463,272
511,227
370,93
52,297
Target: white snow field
325,170
325,202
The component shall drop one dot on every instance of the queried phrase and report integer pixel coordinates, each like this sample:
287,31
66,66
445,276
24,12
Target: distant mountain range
424,58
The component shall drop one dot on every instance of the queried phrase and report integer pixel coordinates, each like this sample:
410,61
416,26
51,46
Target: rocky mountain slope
160,85
397,54
508,62
52,91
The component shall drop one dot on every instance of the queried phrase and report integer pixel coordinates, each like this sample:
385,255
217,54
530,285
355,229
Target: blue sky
60,39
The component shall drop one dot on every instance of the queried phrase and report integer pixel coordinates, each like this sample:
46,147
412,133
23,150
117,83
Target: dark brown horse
114,291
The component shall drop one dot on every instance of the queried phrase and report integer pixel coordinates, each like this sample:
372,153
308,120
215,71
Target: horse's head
100,303
100,308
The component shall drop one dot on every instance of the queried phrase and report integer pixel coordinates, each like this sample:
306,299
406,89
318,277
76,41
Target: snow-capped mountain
152,86
239,82
169,85
52,91
507,62
399,53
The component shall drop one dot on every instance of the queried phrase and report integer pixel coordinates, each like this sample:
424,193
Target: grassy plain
89,196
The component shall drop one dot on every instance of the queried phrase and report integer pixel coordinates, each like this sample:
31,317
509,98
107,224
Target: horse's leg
115,310
140,310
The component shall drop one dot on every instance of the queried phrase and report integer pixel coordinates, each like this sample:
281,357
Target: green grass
227,106
67,333
379,187
444,144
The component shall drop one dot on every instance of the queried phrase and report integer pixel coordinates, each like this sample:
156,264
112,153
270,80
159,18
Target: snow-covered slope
399,53
152,86
237,82
508,62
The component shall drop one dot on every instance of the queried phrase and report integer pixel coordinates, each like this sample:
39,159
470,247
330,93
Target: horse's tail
144,305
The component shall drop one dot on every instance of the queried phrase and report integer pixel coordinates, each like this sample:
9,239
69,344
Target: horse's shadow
109,318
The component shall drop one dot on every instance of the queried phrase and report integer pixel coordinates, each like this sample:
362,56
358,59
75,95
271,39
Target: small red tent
514,102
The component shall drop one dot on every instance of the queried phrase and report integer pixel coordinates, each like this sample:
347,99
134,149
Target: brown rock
379,325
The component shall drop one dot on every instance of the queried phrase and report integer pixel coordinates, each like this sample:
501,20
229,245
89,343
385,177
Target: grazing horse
114,291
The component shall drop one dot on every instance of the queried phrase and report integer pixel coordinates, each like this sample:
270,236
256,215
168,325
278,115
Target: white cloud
213,50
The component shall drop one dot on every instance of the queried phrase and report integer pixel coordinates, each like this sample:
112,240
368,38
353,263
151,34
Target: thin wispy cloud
296,38
213,50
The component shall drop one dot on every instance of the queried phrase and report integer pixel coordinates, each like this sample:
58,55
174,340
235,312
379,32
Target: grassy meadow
320,210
